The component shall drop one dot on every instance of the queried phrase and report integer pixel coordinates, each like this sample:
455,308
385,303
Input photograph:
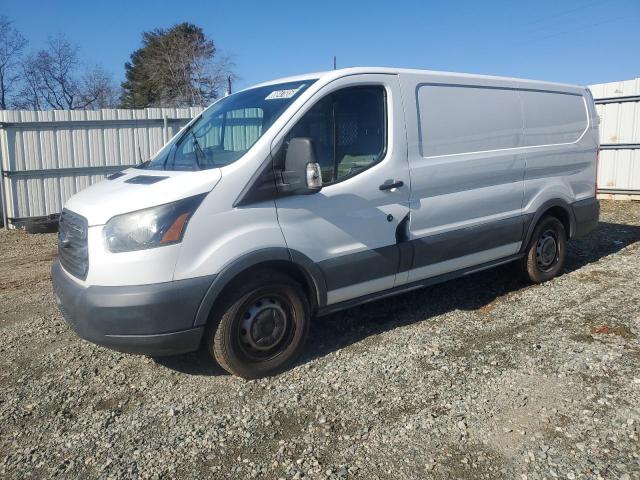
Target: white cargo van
315,193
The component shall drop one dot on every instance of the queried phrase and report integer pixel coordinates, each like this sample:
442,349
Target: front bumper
154,319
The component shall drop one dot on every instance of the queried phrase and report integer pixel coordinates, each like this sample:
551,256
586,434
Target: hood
135,189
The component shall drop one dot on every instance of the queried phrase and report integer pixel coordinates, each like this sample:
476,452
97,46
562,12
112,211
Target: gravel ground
480,377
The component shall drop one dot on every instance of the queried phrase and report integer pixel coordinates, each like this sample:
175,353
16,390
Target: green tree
175,67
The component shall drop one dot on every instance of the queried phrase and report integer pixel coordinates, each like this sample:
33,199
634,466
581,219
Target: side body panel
467,172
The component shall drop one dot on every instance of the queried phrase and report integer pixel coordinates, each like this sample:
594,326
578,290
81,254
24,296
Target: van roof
341,72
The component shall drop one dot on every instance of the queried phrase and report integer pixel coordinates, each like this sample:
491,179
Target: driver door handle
389,186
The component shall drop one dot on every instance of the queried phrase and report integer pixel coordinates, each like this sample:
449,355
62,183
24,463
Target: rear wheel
546,252
261,327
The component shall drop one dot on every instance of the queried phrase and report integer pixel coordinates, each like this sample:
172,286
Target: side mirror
301,173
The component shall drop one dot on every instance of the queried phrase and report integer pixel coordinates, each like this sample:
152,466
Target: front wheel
262,326
545,255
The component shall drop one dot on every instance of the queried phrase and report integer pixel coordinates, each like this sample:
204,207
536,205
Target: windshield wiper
196,144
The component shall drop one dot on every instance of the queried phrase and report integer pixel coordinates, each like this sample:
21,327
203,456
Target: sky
583,42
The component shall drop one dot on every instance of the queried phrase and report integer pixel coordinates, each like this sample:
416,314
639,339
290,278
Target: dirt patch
619,330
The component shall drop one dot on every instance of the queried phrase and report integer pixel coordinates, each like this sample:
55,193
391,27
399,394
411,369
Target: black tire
261,326
546,252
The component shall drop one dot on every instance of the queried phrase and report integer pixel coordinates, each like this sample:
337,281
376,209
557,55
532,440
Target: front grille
72,244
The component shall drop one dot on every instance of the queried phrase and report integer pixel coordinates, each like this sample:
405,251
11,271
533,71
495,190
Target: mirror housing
301,174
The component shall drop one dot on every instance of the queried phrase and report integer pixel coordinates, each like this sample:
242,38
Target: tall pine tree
175,67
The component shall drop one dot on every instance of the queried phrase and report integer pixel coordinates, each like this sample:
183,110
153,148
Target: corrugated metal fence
48,156
618,105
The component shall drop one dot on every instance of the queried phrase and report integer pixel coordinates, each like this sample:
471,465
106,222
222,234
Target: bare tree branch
12,44
29,96
98,90
50,79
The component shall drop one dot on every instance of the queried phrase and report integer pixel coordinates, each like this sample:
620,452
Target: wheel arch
290,262
558,208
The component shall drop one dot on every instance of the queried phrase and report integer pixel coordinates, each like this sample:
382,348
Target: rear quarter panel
558,168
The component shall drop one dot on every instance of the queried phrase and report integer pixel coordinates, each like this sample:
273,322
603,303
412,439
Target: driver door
349,228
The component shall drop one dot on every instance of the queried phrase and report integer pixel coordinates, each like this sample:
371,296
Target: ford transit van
310,194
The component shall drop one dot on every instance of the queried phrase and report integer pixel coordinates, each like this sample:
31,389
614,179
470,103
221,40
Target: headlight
151,227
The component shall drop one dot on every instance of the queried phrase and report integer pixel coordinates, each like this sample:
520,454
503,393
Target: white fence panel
618,105
48,156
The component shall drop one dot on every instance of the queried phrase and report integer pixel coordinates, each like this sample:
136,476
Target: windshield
225,131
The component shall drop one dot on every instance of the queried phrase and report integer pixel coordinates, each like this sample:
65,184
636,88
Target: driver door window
348,129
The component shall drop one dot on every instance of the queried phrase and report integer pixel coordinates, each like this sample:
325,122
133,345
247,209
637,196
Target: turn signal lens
174,233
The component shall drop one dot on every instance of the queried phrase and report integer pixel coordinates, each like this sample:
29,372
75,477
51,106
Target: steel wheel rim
547,250
266,327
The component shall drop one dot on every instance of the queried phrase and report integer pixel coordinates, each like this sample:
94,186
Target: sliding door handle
391,185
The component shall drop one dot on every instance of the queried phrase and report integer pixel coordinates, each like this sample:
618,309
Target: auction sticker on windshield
279,94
